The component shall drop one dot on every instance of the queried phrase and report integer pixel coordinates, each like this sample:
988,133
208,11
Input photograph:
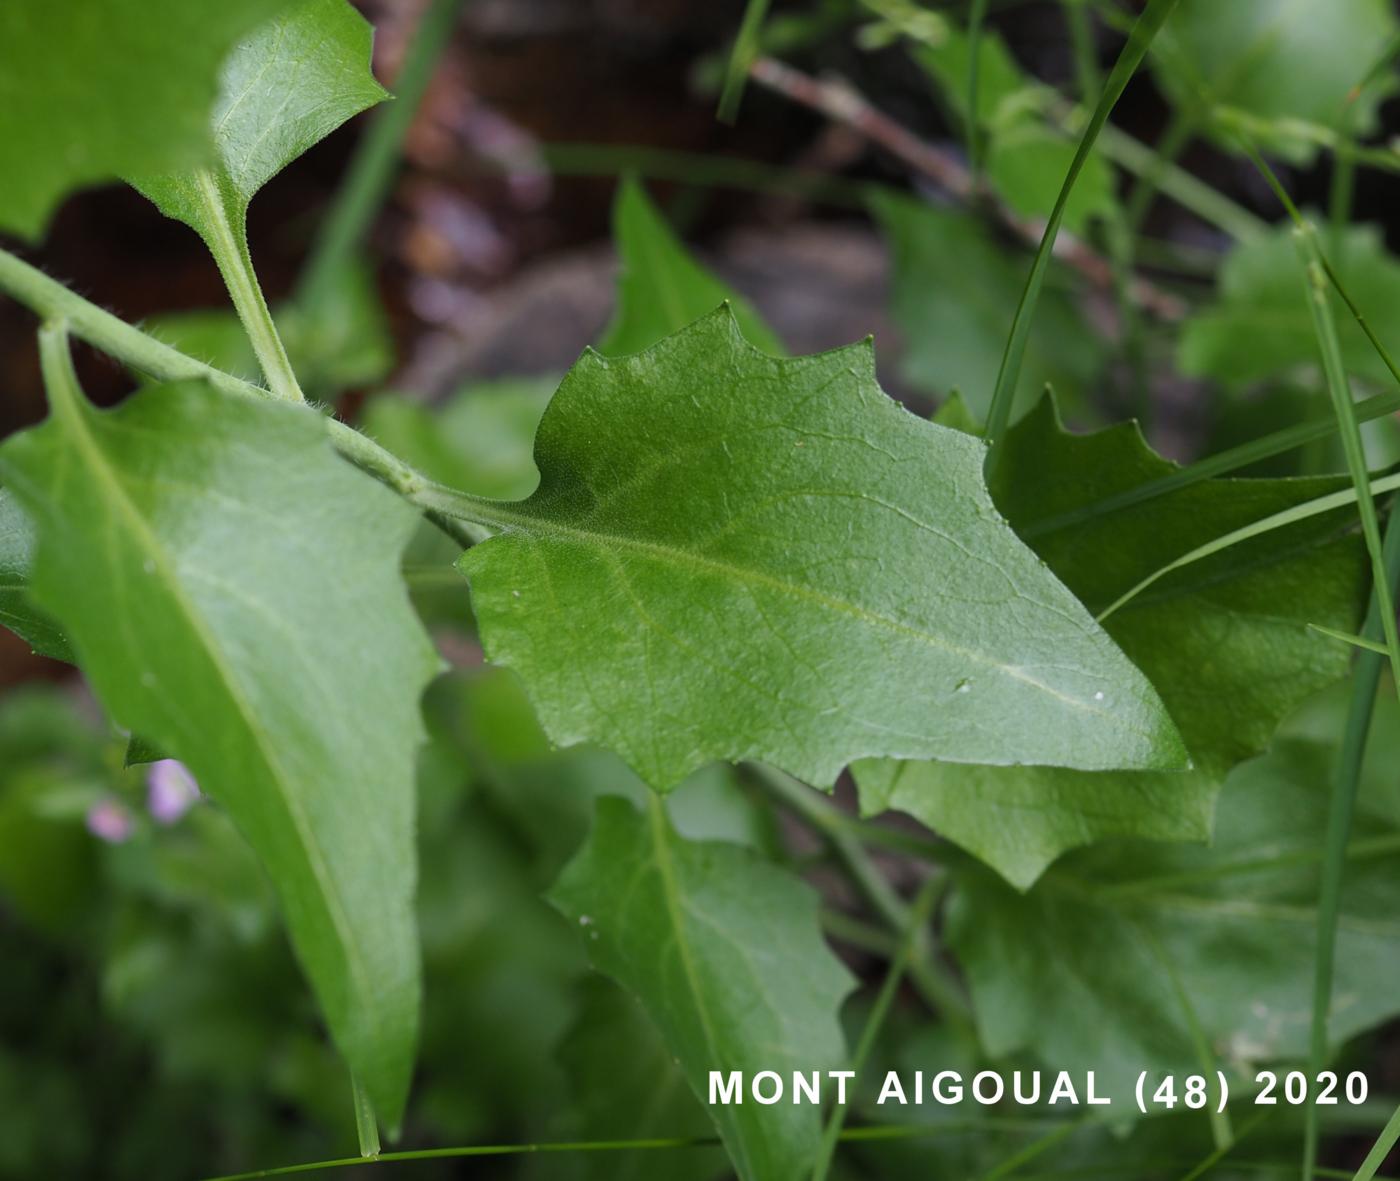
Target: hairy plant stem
228,243
51,300
371,171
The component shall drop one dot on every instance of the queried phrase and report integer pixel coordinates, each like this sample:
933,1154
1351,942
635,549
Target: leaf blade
1227,646
211,622
761,527
669,947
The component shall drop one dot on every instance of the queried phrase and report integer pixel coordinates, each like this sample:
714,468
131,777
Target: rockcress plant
1065,655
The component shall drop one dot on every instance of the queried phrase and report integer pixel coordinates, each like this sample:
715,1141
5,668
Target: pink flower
170,790
108,820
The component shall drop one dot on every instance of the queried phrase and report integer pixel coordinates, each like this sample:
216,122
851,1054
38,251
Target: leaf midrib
500,516
656,821
75,418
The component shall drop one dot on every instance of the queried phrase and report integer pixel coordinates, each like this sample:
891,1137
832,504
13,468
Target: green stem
1192,194
1041,1145
1008,378
1161,166
1081,38
851,1135
53,301
864,936
1223,1150
228,243
919,916
976,20
1341,192
371,171
939,990
1132,329
1346,781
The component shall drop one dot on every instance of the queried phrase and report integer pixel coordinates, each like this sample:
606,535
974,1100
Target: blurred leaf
1259,325
1095,967
728,557
550,794
1004,91
125,89
662,288
638,1094
954,288
1027,164
47,870
725,954
1277,61
500,972
18,611
1026,161
479,440
1226,644
286,86
231,588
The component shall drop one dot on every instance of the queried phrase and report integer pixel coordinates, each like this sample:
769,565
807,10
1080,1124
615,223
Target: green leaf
662,288
1004,92
285,87
1259,325
1226,642
725,954
1277,61
231,589
1096,967
126,89
954,286
734,556
18,611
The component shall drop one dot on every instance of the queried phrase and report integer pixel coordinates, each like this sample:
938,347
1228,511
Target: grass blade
919,915
1214,465
1339,388
1365,681
740,59
371,171
1139,39
1380,1149
1289,516
1347,638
